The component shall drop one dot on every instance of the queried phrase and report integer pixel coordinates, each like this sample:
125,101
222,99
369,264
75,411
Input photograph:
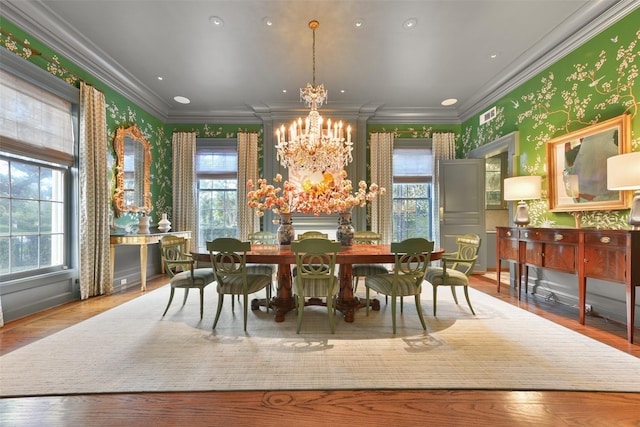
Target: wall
595,82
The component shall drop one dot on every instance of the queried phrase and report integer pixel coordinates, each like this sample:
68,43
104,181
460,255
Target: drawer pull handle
508,234
605,239
558,237
526,235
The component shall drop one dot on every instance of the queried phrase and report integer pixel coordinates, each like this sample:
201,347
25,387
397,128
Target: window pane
4,178
24,181
24,253
24,216
4,255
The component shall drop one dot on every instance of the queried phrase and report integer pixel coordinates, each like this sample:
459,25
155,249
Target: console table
600,254
142,240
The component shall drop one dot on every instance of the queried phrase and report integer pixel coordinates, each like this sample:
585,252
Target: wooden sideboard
142,240
610,255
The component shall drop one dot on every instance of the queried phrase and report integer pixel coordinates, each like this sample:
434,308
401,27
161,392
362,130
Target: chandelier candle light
311,145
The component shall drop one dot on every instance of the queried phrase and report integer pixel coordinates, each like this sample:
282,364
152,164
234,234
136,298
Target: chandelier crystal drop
310,144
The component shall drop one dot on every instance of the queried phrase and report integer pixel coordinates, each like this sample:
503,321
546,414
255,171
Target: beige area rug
131,349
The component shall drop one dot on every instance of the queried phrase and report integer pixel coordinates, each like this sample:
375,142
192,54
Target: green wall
597,81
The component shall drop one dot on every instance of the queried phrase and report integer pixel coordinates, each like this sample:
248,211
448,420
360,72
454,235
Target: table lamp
522,188
623,173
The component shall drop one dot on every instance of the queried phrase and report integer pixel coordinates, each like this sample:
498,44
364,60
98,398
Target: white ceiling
237,72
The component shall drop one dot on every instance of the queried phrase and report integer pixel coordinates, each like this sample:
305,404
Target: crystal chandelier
311,144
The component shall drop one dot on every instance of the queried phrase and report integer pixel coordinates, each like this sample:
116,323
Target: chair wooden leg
435,296
246,310
466,295
393,312
201,302
453,292
220,301
170,299
300,311
330,312
419,308
186,294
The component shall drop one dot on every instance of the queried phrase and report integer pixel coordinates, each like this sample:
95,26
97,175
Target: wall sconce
522,188
623,173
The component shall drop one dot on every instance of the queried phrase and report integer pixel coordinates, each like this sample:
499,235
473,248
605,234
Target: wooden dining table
284,258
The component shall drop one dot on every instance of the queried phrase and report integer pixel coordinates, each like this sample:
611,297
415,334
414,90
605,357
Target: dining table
282,256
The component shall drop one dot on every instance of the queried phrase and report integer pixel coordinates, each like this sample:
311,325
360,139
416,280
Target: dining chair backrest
312,234
367,237
464,260
174,256
412,257
315,258
228,257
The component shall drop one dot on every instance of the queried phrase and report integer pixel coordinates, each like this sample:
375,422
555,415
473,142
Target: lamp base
521,218
634,214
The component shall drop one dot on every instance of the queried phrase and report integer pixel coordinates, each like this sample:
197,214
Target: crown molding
30,15
595,16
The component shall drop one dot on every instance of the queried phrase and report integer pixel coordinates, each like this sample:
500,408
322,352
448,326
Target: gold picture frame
577,167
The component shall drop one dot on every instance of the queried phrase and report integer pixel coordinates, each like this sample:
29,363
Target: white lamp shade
522,188
623,171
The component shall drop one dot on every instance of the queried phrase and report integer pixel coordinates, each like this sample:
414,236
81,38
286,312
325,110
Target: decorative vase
345,230
143,224
286,233
164,224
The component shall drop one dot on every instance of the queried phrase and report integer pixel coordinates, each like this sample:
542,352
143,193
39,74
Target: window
217,184
412,191
37,154
32,213
495,173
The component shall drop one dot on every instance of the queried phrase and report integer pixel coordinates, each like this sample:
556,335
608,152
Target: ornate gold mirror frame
133,184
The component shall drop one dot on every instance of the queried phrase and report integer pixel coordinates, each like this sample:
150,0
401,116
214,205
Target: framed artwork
577,167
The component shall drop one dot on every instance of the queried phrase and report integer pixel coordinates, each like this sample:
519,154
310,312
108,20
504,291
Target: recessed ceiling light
216,20
410,23
449,101
494,55
160,78
284,91
342,91
267,21
181,99
359,23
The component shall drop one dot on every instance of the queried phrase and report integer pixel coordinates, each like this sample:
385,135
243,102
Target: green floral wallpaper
595,82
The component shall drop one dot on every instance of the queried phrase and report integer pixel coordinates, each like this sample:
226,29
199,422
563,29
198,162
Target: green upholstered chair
364,270
315,263
412,257
312,234
456,268
229,262
182,270
309,235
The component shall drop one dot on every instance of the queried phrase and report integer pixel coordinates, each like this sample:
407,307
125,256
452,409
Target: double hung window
217,189
412,190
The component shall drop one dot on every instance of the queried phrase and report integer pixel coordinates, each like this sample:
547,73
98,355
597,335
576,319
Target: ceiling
472,50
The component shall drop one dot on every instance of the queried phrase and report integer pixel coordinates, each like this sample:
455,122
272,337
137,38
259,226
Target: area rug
130,348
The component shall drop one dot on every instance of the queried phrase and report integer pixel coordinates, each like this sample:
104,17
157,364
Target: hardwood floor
316,407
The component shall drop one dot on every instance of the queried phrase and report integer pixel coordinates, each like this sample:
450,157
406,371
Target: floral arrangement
327,196
266,196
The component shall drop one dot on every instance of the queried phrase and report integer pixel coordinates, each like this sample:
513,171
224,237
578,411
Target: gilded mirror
133,185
